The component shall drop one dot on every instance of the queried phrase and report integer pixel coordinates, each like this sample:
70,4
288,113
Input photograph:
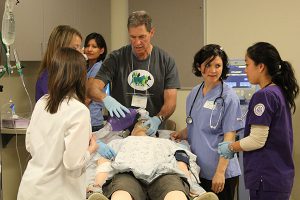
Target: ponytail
282,72
285,79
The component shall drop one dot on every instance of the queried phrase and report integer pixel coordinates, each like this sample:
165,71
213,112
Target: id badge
209,105
139,101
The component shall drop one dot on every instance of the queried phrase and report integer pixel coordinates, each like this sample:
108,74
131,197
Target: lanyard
147,68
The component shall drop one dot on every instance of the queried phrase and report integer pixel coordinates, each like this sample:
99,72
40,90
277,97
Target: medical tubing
19,68
7,39
8,61
27,93
15,131
18,154
18,63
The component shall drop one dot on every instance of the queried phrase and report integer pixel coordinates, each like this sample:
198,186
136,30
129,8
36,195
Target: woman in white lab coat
58,137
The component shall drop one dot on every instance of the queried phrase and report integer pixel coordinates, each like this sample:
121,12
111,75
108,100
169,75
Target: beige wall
236,24
173,24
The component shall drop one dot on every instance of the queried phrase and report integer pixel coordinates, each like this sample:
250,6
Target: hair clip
279,67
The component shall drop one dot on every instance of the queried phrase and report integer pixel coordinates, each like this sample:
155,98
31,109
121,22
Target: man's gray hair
139,18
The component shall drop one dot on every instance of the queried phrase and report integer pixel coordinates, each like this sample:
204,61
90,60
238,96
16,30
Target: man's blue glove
114,107
153,123
224,151
105,151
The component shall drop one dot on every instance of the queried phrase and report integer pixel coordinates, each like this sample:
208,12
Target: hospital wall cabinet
14,158
35,19
29,29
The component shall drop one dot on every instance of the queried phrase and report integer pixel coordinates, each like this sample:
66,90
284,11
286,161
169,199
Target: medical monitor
237,79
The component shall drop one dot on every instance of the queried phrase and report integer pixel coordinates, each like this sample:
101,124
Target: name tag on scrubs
139,101
209,105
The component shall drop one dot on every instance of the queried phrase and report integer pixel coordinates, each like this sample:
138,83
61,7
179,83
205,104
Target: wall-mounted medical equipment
9,118
237,79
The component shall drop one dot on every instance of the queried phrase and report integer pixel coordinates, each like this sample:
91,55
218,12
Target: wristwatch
161,118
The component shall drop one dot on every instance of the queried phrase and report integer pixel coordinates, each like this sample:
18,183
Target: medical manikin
148,158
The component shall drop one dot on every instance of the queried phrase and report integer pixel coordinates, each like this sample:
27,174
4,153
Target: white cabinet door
58,12
35,20
94,16
29,29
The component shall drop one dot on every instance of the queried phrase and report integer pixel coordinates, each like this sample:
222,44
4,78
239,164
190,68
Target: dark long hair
210,51
100,43
67,78
281,71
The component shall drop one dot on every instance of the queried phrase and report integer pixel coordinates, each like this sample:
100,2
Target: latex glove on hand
224,151
153,123
105,151
114,107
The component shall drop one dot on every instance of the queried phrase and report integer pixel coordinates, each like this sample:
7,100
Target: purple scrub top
41,86
271,165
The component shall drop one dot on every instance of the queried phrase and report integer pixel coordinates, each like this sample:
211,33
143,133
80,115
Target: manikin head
139,129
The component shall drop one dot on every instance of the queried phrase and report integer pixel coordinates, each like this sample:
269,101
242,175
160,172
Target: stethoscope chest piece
189,120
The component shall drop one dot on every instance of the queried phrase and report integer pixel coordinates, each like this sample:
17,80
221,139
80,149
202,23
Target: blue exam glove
105,151
114,107
223,150
153,123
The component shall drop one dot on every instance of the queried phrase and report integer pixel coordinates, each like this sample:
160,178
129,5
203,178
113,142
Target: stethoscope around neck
189,119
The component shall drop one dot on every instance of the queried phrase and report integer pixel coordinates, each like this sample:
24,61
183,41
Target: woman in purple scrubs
61,36
268,143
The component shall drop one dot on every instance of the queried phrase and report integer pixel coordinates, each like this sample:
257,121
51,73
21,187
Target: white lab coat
58,145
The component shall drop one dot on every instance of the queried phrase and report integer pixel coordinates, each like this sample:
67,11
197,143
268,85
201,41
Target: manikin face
140,40
92,50
211,72
252,70
139,129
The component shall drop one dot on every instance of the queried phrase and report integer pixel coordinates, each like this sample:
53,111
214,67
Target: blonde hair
61,36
